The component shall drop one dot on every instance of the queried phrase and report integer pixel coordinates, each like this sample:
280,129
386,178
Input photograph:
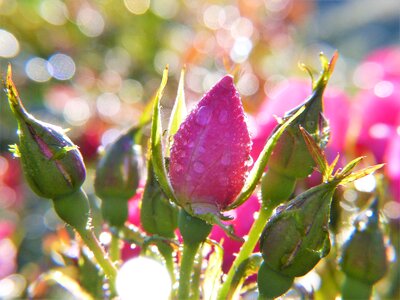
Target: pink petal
210,151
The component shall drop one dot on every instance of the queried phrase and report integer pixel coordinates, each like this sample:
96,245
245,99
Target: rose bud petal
210,152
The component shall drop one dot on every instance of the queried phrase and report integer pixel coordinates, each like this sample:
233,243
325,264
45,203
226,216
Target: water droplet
204,115
223,117
199,167
249,162
226,159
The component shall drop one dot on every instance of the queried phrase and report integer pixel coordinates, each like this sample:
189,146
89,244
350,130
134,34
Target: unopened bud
364,253
52,164
117,177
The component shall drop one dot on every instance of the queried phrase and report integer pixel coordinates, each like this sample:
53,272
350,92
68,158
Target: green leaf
156,146
178,113
259,166
213,272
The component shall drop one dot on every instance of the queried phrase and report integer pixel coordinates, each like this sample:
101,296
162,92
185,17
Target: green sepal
157,214
179,112
74,210
193,229
14,149
156,145
60,154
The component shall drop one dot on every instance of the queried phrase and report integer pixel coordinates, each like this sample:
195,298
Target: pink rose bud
211,150
291,94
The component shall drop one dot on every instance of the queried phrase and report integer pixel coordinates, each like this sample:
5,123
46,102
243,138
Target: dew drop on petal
204,115
249,162
199,167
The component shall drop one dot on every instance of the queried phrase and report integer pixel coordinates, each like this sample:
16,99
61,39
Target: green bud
193,230
118,171
304,222
272,284
157,214
117,177
364,253
291,159
52,164
73,209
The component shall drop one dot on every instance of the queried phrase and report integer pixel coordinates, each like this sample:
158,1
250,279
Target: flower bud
212,143
117,177
304,222
291,159
364,253
157,214
52,164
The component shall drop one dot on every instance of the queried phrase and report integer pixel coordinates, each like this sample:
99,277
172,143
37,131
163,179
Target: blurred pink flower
384,64
8,250
378,107
379,119
292,93
392,156
129,251
209,156
244,217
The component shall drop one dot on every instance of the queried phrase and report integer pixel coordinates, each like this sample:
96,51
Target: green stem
101,257
115,253
189,253
246,250
167,252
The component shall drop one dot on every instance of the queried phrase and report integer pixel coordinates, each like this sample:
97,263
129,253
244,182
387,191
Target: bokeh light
143,278
37,69
61,66
9,45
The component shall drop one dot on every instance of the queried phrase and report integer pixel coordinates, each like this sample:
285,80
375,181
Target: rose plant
199,174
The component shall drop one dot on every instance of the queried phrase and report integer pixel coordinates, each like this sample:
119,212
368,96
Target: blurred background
93,65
